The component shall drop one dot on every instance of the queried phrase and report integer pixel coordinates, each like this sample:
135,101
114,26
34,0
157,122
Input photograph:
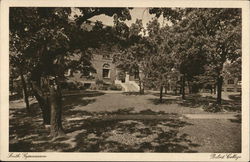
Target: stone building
231,85
105,73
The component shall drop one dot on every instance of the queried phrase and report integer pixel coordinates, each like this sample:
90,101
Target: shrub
115,87
69,85
99,82
212,107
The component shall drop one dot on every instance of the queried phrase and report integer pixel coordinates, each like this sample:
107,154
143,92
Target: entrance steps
129,86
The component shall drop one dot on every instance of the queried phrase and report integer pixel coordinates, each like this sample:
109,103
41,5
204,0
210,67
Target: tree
233,69
215,32
132,52
18,69
189,54
45,38
221,28
159,64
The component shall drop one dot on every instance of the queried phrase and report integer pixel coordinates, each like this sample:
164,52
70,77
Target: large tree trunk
43,101
161,91
25,93
219,89
183,87
56,128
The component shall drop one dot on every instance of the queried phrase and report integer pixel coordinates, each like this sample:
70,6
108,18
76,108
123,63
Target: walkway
212,116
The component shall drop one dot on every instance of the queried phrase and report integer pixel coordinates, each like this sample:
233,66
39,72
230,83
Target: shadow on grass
235,97
24,128
234,104
192,101
132,136
21,113
196,100
166,101
164,94
14,97
132,93
102,133
69,102
237,120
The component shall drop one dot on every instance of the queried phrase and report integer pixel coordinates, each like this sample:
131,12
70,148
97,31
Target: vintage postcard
117,80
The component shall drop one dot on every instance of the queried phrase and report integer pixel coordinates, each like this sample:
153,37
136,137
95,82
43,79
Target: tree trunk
219,89
11,86
215,88
211,89
25,93
183,87
56,128
166,91
43,101
189,88
161,91
141,86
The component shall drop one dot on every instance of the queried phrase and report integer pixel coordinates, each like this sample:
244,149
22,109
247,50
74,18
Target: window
230,89
105,73
230,81
136,76
106,56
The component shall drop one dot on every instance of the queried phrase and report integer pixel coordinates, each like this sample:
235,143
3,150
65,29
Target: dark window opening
136,76
106,56
106,73
230,81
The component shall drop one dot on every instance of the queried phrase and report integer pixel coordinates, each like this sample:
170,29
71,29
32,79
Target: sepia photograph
125,80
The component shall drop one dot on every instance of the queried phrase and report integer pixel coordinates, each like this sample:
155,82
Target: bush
212,107
115,87
103,88
93,87
69,85
99,82
73,86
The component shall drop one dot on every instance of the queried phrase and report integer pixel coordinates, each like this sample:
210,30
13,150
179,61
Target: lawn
121,122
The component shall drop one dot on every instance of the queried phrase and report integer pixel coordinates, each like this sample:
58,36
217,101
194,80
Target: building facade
231,85
106,73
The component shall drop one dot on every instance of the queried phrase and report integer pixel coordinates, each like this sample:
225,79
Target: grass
98,122
214,135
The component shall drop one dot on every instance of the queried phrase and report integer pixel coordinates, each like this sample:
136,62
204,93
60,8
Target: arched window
106,71
106,66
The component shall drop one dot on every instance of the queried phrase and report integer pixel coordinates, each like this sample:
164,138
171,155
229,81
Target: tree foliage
42,40
205,38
